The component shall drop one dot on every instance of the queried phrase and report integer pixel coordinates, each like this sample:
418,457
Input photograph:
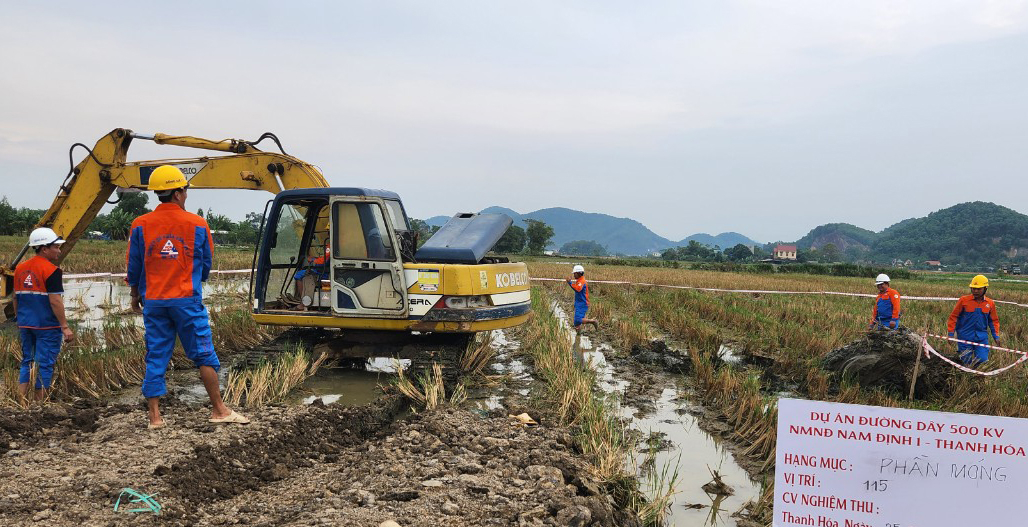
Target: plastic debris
135,496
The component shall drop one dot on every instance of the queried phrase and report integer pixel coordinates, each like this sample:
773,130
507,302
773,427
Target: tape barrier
771,292
929,351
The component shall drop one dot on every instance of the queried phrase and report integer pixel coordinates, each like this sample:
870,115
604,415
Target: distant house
785,252
907,263
933,263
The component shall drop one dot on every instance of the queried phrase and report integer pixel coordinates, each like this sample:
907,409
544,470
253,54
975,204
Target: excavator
341,260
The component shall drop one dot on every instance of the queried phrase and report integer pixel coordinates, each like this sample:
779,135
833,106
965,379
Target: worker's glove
892,324
871,326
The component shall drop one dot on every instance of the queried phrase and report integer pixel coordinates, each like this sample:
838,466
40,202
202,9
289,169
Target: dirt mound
20,429
215,472
657,353
885,359
302,465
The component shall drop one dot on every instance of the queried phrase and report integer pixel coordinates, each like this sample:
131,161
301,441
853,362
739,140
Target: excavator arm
104,170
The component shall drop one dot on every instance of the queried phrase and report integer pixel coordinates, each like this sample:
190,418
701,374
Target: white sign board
847,465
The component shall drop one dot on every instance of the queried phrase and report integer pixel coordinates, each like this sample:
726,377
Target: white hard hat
44,236
882,278
578,269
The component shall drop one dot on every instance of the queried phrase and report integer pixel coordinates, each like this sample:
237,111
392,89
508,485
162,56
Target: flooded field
671,430
90,299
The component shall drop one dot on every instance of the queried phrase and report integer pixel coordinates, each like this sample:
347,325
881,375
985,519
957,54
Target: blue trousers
970,354
162,324
40,346
884,323
580,311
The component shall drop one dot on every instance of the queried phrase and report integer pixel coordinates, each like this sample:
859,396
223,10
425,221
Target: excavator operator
169,257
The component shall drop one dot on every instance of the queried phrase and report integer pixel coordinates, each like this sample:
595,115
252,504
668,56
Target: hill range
974,233
619,235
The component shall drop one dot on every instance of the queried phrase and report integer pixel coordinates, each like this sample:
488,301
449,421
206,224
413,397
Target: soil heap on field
885,359
657,353
65,465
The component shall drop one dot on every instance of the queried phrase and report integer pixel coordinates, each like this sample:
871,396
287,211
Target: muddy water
90,300
347,385
689,448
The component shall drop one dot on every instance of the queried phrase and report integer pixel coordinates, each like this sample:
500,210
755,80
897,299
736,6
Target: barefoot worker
972,319
39,308
169,256
581,287
886,313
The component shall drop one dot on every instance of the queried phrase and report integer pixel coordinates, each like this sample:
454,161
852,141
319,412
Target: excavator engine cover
465,238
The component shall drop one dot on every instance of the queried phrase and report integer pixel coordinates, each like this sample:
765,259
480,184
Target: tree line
115,225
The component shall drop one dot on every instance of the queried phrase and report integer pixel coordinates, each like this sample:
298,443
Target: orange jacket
170,254
887,306
973,320
35,280
581,288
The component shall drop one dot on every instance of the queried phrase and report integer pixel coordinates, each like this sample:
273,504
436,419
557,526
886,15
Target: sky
762,117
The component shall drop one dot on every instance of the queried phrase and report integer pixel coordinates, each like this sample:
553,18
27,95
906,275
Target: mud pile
885,359
310,465
657,353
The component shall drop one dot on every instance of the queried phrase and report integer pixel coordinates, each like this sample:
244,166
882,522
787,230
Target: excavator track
420,350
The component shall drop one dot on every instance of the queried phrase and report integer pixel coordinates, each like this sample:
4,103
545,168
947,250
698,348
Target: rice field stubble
783,339
107,256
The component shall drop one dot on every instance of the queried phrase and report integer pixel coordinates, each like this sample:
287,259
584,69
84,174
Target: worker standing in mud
886,312
170,254
972,319
39,308
581,287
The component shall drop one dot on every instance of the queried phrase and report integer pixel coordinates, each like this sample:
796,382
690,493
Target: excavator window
297,256
398,215
361,233
289,234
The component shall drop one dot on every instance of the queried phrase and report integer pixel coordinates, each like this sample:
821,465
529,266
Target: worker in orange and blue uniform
581,287
886,313
170,254
39,309
972,319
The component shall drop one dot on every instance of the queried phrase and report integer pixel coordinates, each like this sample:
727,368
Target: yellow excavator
339,258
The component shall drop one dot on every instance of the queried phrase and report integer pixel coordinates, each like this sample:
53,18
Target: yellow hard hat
980,281
167,177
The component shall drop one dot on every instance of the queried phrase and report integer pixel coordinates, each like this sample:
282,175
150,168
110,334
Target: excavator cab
327,257
329,252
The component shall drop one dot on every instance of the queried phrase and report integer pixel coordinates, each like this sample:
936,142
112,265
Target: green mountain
842,235
725,240
618,235
977,233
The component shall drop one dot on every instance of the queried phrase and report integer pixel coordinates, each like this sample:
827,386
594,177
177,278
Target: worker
169,256
886,312
39,309
581,287
972,319
315,270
